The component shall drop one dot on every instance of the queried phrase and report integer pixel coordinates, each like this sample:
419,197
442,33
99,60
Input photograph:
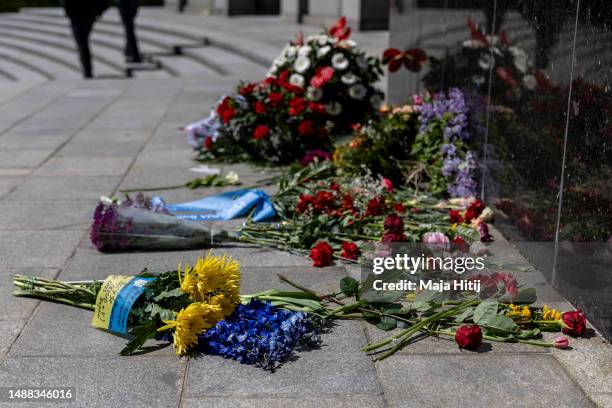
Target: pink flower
436,241
388,184
561,342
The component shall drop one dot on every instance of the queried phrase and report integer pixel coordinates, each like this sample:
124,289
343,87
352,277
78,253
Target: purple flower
108,232
311,155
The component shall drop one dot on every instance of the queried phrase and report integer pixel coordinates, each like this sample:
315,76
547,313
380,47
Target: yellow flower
191,322
550,314
214,277
519,312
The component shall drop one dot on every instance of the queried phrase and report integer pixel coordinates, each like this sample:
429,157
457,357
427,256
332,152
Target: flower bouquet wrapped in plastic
197,308
129,226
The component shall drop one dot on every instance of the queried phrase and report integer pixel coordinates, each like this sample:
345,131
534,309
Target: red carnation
275,98
350,250
316,107
474,210
322,76
225,110
306,128
375,207
455,217
460,243
575,322
261,132
394,223
297,106
339,30
324,200
247,89
322,254
303,203
208,143
468,337
260,107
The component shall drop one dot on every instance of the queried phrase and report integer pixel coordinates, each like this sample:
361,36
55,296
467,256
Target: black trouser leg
81,29
128,10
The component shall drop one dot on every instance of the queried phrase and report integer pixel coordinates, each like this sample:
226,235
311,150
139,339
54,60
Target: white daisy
314,94
321,52
302,64
297,80
357,91
349,78
339,62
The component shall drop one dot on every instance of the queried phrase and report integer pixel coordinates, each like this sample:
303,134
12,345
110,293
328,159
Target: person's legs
81,27
128,10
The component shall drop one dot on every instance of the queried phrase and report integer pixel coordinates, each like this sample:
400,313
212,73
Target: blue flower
261,334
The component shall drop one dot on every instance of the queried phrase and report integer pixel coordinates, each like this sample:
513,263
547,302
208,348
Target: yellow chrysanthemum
519,312
214,277
550,314
191,322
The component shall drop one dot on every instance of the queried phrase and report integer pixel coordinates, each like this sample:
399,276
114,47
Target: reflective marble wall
541,75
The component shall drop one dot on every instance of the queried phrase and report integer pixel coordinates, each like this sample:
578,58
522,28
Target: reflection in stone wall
542,71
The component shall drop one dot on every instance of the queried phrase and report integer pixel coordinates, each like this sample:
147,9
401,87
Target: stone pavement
63,143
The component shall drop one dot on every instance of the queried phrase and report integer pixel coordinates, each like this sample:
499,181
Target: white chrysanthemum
357,91
339,62
321,52
304,51
486,61
302,64
333,108
530,82
520,58
314,94
349,78
290,51
297,80
376,100
322,39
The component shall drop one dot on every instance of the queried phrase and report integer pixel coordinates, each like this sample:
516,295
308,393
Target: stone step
12,69
48,65
61,52
185,67
229,63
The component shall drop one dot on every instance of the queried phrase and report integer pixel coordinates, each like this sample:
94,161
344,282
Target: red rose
350,250
474,210
297,106
261,132
208,143
455,217
225,110
393,237
260,107
375,207
325,200
306,128
322,254
468,337
394,223
575,322
323,75
275,98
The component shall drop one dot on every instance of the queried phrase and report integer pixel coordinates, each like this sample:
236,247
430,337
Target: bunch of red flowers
273,120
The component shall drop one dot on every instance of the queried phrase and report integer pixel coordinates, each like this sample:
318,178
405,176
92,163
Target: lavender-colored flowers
261,334
108,231
459,164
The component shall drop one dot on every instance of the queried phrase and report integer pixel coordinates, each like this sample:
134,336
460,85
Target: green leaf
174,293
484,311
156,310
466,314
528,334
500,325
141,335
387,323
349,286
